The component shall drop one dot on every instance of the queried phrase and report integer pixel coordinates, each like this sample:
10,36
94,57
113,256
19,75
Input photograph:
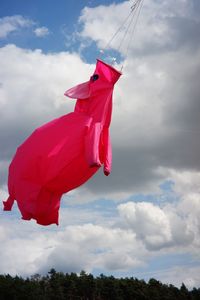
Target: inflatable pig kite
64,153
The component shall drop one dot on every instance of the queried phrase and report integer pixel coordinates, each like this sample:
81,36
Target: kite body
64,153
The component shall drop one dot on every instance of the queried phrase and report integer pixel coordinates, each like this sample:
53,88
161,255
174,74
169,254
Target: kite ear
80,91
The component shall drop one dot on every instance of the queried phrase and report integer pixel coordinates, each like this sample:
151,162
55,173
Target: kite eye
94,77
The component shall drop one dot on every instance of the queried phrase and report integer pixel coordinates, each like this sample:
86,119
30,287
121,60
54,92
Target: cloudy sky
143,220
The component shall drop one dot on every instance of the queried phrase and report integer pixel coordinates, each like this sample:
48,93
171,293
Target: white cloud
41,31
69,248
90,239
156,27
36,83
12,23
104,246
22,246
93,243
172,225
187,182
154,229
102,19
189,275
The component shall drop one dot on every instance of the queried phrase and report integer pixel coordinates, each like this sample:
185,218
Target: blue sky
143,219
60,19
48,14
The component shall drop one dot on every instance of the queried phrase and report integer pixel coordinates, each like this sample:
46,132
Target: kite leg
8,203
107,151
48,205
92,141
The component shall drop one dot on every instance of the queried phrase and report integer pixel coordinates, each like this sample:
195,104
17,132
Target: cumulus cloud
90,239
41,31
162,26
167,225
154,228
22,247
100,247
141,232
13,23
187,274
31,85
68,248
157,227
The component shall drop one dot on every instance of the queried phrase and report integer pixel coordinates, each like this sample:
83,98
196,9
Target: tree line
60,286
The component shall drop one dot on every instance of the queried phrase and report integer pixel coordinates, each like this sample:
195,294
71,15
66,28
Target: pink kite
64,153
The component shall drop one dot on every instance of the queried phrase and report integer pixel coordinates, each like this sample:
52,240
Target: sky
143,219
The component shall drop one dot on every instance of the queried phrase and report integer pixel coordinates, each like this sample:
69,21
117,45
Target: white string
116,33
138,11
127,29
127,23
134,26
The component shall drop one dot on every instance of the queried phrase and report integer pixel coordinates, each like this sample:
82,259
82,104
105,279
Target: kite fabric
64,153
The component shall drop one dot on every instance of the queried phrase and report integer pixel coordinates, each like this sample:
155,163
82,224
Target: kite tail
8,203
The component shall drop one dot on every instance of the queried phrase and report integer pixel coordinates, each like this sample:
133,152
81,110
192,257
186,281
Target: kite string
134,8
137,11
127,23
117,31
